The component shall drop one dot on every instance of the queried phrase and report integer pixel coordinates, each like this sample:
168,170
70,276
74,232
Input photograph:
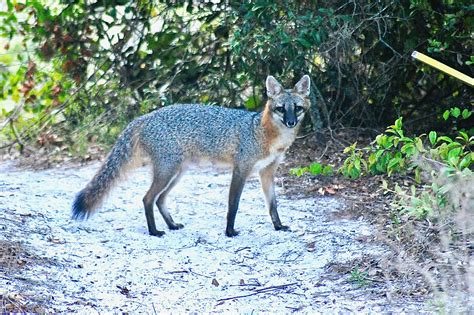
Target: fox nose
291,123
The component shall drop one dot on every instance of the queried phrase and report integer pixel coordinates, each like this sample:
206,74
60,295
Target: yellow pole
441,66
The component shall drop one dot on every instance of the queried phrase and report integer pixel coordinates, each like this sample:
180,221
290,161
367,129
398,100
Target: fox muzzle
290,119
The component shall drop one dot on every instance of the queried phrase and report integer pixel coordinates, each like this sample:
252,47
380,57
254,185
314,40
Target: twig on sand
258,291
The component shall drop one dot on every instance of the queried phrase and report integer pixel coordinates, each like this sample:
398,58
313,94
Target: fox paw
157,233
282,228
231,233
176,226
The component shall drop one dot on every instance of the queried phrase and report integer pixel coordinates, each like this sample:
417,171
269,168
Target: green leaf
304,42
315,168
388,143
446,114
380,139
354,173
465,162
445,139
455,112
393,162
419,145
466,113
372,159
406,139
454,153
408,149
350,148
432,136
453,160
395,141
398,123
327,170
252,102
298,171
463,136
357,163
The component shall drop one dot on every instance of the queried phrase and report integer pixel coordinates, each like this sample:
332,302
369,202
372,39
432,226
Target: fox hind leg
163,177
148,204
160,203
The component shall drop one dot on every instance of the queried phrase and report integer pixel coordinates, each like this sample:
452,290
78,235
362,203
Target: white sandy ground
110,263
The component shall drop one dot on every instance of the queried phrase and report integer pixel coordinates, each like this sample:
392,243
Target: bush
62,54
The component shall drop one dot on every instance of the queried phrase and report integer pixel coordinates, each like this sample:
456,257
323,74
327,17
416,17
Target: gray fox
176,135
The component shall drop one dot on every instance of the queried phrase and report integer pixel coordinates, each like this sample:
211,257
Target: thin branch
258,291
12,116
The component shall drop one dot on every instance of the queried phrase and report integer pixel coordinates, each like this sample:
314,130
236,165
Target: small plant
389,153
359,277
352,165
313,169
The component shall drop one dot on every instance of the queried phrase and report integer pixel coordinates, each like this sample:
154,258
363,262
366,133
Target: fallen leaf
215,283
55,240
124,290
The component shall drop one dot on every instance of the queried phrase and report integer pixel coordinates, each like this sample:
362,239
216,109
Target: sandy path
111,264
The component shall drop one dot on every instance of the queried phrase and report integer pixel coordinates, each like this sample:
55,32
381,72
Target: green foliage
352,166
393,152
162,52
455,112
389,153
313,169
359,277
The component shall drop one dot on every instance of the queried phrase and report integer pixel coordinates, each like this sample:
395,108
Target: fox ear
303,86
273,87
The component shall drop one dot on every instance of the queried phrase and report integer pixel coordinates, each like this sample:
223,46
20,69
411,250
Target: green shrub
393,152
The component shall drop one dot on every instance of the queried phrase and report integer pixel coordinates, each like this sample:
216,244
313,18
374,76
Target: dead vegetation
12,255
13,258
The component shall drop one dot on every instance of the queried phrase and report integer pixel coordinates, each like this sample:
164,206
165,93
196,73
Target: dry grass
11,255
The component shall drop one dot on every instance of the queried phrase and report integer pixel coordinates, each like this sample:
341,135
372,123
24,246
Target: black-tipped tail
117,162
80,209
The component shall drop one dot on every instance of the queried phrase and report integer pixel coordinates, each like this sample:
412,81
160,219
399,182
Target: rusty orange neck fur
271,131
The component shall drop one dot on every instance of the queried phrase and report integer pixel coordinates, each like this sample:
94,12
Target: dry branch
258,291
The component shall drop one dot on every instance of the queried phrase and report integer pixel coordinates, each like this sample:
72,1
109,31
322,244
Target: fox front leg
236,186
267,176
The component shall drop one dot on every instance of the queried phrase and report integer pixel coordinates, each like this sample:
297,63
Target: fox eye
298,108
280,109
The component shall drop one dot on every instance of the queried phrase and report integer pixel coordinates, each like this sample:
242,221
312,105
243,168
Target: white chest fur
277,149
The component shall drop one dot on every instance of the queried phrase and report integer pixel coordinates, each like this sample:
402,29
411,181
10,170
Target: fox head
288,106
